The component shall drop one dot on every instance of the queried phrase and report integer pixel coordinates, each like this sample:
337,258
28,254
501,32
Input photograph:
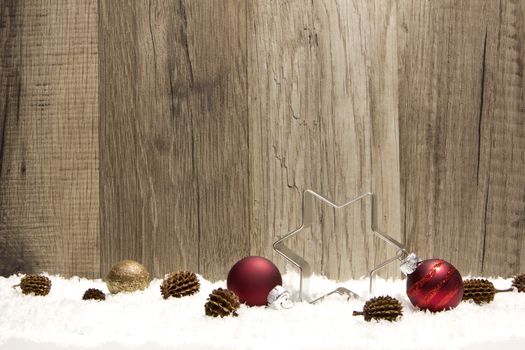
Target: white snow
144,320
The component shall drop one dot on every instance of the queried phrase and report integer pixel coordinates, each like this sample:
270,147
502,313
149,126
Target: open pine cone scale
519,283
94,294
480,290
179,284
222,302
35,284
381,308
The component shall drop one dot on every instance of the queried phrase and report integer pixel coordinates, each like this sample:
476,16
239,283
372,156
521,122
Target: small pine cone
222,302
381,308
36,284
180,284
519,283
94,294
480,290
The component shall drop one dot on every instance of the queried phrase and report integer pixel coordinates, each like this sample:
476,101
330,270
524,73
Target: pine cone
480,290
94,294
222,302
36,284
179,284
519,283
381,308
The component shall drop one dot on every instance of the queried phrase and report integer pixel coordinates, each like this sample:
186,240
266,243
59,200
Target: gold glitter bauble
127,276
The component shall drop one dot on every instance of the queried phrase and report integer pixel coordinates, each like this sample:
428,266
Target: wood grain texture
323,116
48,137
502,145
188,131
174,135
462,132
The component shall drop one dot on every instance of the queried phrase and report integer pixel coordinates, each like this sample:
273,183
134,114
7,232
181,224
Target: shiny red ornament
252,278
435,285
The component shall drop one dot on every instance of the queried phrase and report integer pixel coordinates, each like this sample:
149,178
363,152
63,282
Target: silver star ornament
305,270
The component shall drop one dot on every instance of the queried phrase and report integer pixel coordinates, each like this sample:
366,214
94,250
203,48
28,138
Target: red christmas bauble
435,285
252,278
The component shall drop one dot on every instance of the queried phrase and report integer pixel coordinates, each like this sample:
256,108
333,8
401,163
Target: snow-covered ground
144,320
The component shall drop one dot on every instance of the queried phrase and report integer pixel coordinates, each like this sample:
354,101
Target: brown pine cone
519,283
179,284
381,308
94,294
480,290
36,284
222,302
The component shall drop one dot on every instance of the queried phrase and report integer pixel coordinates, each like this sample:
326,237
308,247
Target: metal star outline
300,263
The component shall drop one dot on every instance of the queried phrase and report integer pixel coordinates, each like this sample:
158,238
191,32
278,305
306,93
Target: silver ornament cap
279,298
409,264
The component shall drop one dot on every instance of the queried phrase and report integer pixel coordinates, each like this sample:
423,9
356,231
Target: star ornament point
305,270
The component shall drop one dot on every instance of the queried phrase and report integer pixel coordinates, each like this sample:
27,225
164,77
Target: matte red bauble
252,278
435,285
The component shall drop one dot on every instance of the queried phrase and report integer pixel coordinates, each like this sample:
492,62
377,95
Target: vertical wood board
174,135
461,115
322,101
49,137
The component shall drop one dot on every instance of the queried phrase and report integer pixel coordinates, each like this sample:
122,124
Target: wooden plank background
182,133
462,132
323,116
49,188
174,135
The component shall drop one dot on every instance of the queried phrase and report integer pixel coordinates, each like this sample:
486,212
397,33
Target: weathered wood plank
502,146
441,62
461,132
220,123
49,137
174,160
323,116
